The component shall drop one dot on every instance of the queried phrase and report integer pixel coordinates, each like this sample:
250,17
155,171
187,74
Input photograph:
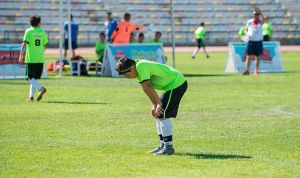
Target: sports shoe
256,72
193,57
207,56
167,150
246,72
157,149
30,100
41,93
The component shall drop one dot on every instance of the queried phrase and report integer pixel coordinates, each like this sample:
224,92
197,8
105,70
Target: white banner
113,52
270,61
9,63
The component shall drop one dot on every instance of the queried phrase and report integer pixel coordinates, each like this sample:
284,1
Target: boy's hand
153,110
158,110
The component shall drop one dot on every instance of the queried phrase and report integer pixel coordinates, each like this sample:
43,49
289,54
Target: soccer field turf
228,125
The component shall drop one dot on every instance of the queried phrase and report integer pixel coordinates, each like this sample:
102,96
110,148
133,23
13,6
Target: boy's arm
22,56
151,93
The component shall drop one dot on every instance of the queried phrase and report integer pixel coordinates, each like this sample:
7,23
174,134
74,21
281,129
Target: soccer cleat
256,72
207,56
41,93
157,149
167,150
193,57
30,100
246,72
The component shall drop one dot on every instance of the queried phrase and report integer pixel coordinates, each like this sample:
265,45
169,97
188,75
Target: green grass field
228,125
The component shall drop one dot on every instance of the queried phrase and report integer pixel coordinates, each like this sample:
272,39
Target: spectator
199,35
124,30
110,25
255,44
141,38
35,39
74,35
267,29
152,75
132,38
157,38
100,47
242,34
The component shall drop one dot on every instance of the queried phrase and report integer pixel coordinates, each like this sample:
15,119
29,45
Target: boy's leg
31,93
204,49
166,128
195,53
159,132
257,62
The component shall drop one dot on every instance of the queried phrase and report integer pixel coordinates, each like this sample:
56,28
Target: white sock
166,129
205,52
35,83
31,91
158,127
195,52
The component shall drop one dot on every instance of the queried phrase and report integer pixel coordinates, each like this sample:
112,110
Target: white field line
280,110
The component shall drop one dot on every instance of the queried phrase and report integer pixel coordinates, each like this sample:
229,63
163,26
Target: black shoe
157,149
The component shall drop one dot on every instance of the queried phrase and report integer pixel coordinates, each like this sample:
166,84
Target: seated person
157,38
141,38
100,47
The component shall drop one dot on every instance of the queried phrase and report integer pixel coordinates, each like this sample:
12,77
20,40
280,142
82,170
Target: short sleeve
45,40
143,73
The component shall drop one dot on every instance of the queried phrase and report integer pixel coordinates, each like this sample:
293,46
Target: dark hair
202,24
71,16
124,64
141,34
158,33
102,34
127,16
109,13
35,20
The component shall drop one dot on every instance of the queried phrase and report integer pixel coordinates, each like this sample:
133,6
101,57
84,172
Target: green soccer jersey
200,33
100,47
162,77
242,32
153,41
267,29
36,39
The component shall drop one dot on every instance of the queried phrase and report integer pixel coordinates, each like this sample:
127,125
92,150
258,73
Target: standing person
157,38
35,39
74,35
255,43
110,25
243,34
152,75
124,29
100,47
267,29
200,35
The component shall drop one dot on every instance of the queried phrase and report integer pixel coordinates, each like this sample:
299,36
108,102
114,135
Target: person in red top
124,29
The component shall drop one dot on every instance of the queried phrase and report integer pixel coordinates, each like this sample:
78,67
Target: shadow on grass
214,156
73,102
210,75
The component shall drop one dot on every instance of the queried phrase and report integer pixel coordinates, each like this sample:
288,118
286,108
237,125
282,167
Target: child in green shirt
35,39
100,47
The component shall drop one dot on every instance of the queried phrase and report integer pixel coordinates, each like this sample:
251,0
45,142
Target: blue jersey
110,28
74,30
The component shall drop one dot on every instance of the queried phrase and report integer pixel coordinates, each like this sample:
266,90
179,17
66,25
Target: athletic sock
205,52
158,127
35,83
195,52
31,91
166,129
